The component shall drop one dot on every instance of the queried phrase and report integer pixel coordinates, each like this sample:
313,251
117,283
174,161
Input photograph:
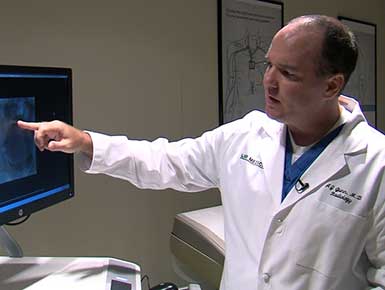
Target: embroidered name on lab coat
251,160
343,194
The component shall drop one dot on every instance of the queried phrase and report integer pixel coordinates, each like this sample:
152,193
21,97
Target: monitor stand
9,244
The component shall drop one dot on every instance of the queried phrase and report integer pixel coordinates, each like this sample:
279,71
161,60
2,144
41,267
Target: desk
198,244
48,273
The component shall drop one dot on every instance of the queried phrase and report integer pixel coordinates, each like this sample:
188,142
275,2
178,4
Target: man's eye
288,74
267,64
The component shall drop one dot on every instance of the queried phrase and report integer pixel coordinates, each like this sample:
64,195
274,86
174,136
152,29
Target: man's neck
306,138
311,132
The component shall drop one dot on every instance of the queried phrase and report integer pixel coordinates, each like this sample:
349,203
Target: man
302,186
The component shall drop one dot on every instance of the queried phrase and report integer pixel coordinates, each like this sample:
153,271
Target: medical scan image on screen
17,148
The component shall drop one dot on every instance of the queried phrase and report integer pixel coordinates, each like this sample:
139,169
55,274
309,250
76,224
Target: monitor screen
31,180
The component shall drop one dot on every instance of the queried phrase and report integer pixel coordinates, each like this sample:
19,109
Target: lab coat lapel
336,161
273,159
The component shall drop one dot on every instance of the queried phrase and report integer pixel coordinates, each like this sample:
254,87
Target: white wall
141,68
144,69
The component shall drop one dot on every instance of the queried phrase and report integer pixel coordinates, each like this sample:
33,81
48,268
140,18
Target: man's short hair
339,50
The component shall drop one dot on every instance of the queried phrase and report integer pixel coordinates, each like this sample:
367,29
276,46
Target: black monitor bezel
64,194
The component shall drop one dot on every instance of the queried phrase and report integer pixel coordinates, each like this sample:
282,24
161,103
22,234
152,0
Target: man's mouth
271,100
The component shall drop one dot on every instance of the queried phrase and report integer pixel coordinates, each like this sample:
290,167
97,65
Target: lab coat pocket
329,243
309,260
346,199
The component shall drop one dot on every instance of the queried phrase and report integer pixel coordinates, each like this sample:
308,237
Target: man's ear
335,84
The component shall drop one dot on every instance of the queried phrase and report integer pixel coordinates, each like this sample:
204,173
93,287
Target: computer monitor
31,180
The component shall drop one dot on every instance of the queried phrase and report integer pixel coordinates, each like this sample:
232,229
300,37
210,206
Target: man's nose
270,76
270,80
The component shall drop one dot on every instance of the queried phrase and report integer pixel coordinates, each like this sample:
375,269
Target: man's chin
274,116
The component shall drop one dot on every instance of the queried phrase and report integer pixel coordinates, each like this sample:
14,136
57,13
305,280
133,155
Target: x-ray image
17,149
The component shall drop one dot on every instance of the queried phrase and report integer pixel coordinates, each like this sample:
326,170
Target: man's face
293,90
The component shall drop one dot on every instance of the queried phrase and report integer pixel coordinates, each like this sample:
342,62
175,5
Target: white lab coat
330,237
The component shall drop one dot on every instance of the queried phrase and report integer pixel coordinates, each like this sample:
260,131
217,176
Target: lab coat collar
345,152
331,162
353,143
339,158
273,156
